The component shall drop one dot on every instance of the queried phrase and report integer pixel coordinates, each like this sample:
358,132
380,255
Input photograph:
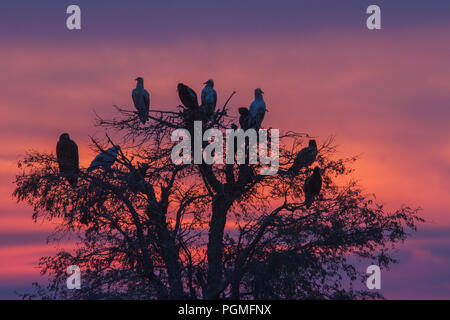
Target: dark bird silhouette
304,158
141,99
257,110
209,98
105,159
68,158
187,96
312,186
136,178
244,118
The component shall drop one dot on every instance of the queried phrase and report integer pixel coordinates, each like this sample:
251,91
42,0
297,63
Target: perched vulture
244,118
187,96
304,158
257,110
141,99
312,186
209,98
67,156
105,159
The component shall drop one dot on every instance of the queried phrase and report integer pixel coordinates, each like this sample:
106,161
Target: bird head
117,148
64,136
180,86
258,92
312,143
139,80
209,83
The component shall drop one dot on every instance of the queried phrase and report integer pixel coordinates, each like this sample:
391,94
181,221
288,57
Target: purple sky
384,94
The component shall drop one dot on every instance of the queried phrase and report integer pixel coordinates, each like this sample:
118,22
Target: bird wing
98,161
75,155
106,158
307,185
214,98
299,158
59,150
261,111
316,185
252,109
305,157
193,96
146,98
135,96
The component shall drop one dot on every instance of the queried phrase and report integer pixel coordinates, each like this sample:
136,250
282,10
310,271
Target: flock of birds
249,118
67,149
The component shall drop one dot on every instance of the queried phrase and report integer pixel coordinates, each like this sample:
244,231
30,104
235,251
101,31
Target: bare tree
150,229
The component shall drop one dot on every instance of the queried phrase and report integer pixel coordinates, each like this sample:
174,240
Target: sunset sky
384,94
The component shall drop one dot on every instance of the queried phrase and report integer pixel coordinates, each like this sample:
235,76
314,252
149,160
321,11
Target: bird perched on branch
141,99
304,158
244,118
105,159
187,96
257,110
312,186
209,98
68,159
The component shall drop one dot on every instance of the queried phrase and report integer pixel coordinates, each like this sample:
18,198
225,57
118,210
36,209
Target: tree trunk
170,254
214,252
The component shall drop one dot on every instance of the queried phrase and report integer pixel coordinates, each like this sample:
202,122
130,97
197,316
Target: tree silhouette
150,229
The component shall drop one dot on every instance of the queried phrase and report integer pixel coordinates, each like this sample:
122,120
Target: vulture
244,118
141,99
187,96
257,110
105,159
67,156
312,186
304,158
209,98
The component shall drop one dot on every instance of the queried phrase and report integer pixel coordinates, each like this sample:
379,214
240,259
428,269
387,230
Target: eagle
304,158
209,98
312,186
105,159
244,118
68,158
141,99
187,96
